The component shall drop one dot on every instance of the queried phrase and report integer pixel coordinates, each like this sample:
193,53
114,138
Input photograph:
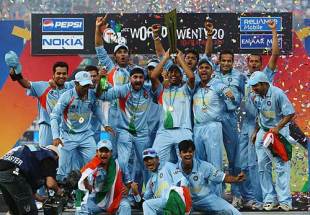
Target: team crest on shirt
195,178
161,175
145,94
176,171
216,173
269,103
230,79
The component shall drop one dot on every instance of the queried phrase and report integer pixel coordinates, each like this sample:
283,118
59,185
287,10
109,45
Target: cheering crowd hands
101,23
156,30
271,24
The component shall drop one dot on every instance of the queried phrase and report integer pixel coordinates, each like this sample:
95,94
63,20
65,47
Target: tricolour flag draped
278,145
111,194
179,201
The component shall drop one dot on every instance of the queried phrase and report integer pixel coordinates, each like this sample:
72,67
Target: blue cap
152,63
137,69
118,46
175,66
12,61
205,60
83,78
104,143
258,77
150,152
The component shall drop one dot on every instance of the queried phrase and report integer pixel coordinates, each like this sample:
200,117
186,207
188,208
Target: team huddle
168,124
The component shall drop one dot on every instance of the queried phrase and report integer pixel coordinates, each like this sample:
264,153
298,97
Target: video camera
56,204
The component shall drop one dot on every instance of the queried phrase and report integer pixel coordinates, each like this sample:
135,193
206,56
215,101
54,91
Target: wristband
16,77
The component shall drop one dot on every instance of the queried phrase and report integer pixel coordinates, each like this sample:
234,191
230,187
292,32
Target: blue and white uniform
97,179
158,187
203,197
209,103
271,110
134,109
250,189
175,121
47,99
71,122
117,76
235,82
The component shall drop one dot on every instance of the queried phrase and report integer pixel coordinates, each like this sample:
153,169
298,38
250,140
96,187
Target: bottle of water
103,83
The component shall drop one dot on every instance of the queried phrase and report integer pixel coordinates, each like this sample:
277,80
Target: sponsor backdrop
241,32
18,110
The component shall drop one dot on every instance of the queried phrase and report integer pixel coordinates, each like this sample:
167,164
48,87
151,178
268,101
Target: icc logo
110,36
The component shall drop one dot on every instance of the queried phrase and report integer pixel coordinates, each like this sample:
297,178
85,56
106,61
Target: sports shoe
237,202
268,206
253,205
285,207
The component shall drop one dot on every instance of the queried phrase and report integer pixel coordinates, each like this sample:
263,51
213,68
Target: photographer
22,171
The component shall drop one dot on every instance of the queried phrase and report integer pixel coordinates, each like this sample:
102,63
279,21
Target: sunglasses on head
147,152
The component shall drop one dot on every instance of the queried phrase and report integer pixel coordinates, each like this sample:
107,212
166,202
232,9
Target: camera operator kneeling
22,171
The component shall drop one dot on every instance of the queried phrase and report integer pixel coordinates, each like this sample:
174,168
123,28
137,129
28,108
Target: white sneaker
39,205
285,207
268,206
237,202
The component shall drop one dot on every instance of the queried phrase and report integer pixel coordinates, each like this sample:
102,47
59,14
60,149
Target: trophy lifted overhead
171,24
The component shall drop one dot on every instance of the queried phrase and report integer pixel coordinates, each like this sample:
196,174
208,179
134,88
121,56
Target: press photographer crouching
22,171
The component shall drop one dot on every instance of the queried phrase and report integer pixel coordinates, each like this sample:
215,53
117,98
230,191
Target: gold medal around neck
170,108
204,108
81,120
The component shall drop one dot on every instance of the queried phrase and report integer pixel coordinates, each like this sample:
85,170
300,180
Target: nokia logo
62,42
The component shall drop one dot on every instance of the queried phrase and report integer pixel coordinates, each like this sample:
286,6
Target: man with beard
47,96
118,73
200,174
102,181
71,124
175,124
275,112
209,102
133,134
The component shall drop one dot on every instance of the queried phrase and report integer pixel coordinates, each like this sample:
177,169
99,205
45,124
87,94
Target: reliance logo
62,42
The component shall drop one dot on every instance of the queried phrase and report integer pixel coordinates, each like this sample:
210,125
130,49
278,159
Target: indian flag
278,145
179,201
111,194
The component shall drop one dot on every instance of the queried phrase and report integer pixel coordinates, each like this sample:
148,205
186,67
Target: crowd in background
22,9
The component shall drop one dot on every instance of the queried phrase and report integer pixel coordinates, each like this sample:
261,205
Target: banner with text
62,34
